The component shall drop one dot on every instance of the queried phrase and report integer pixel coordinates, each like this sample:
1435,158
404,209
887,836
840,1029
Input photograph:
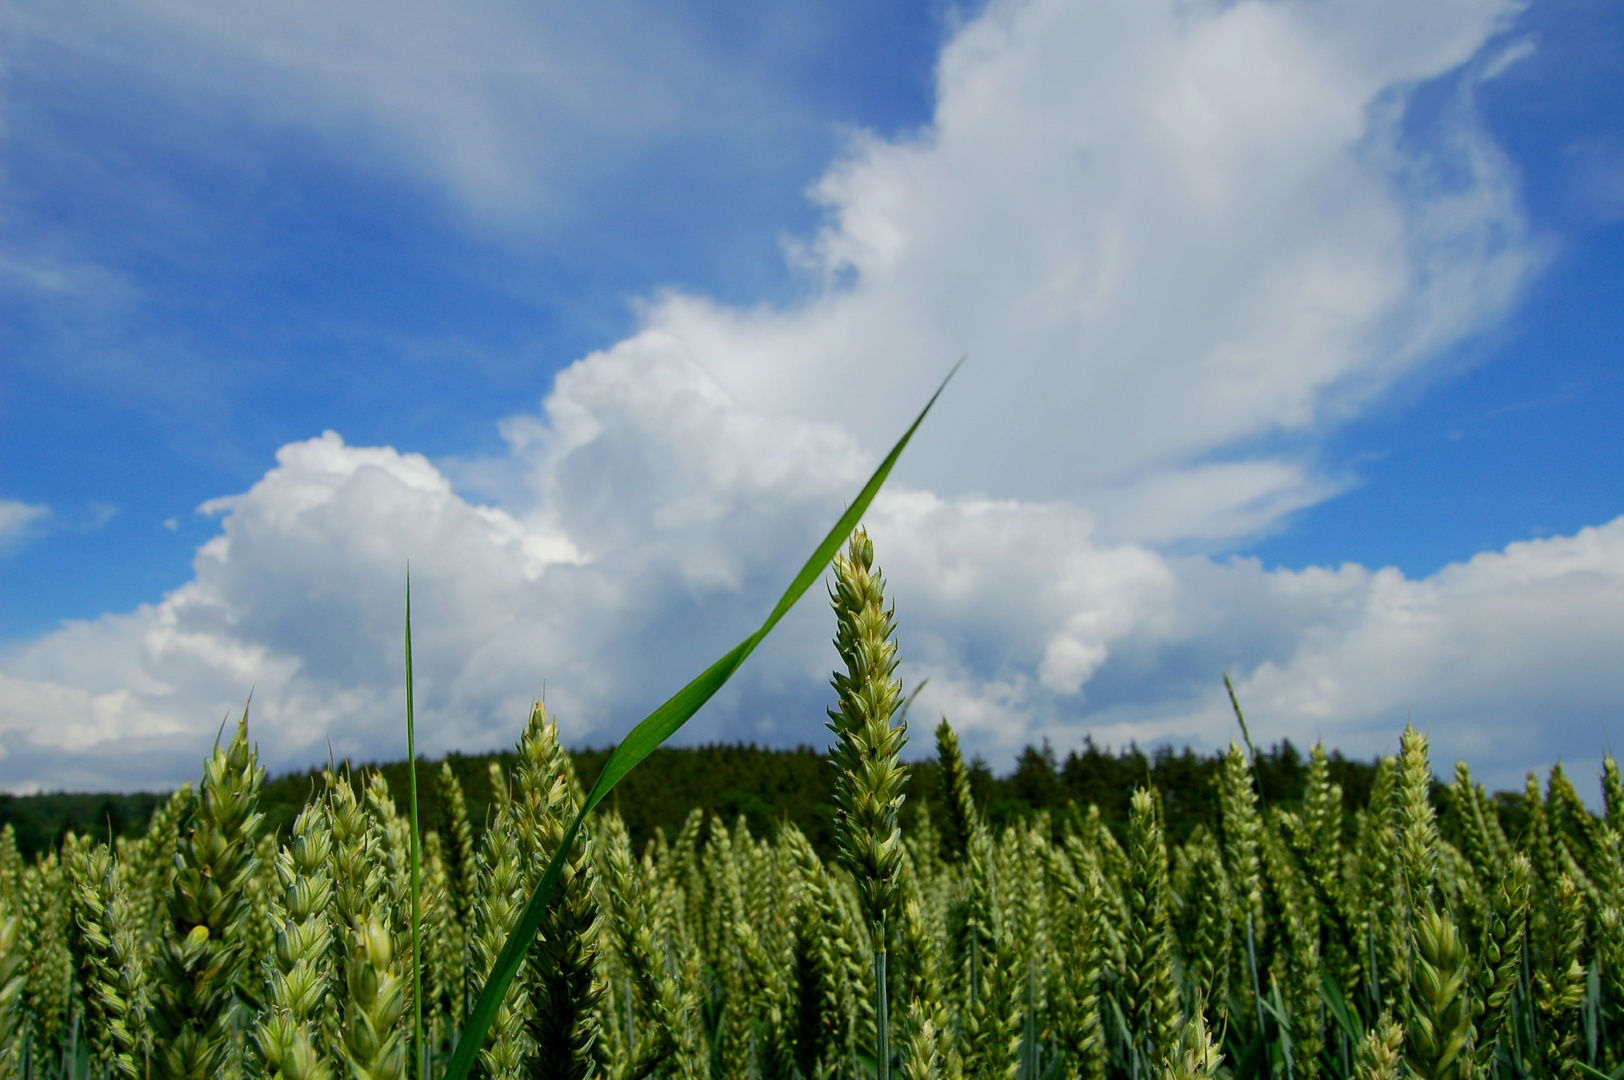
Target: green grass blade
417,890
644,739
1597,1074
1338,1006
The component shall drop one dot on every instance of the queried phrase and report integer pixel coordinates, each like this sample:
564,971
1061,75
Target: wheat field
1297,942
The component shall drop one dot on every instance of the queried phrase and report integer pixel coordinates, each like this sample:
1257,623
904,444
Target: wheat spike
288,1034
1612,787
1477,841
394,901
1149,990
110,970
990,1010
1322,826
48,983
374,1040
1440,1026
1418,827
1208,919
1501,959
151,868
565,982
444,946
1573,826
868,787
1382,925
1193,1057
821,962
11,863
460,864
200,960
1381,1051
1296,960
499,899
632,924
1080,936
11,981
1243,861
958,820
921,1054
1559,984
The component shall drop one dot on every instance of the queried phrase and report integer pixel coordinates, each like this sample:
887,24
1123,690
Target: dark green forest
767,786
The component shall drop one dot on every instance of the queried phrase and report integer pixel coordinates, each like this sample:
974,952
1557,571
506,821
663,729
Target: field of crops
1296,941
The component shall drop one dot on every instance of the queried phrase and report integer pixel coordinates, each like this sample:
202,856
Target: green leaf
1597,1074
1332,993
416,856
644,739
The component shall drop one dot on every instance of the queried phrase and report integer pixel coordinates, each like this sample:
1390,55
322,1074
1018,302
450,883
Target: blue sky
253,283
1258,304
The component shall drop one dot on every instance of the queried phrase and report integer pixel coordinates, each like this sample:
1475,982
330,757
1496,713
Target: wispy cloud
511,111
18,520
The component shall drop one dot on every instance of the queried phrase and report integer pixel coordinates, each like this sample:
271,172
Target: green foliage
1041,948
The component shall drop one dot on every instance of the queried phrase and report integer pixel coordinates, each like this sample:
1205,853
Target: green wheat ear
200,959
11,985
1441,1009
105,948
300,968
566,984
1502,955
1193,1056
1381,1051
868,787
1149,988
372,1037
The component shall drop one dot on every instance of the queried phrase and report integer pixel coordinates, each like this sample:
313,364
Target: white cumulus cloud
666,519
